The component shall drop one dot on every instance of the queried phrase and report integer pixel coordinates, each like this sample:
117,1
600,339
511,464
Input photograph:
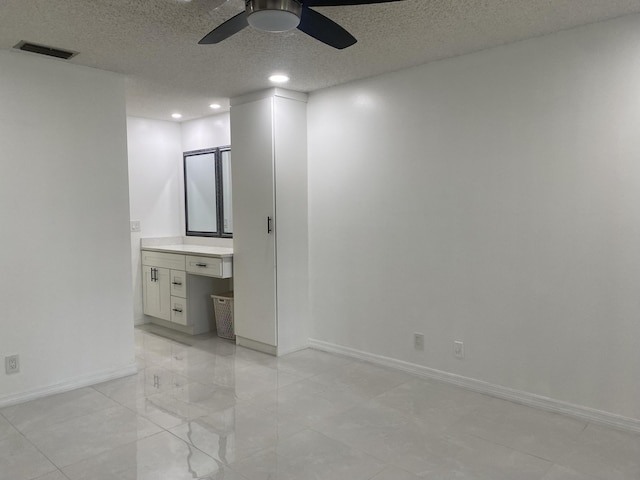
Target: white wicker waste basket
223,310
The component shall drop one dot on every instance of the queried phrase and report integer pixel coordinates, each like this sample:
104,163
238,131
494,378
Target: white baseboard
517,396
254,345
67,385
282,352
264,348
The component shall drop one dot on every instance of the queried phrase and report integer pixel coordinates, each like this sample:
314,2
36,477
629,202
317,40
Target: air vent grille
45,50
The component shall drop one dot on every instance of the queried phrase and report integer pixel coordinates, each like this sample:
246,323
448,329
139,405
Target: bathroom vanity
178,281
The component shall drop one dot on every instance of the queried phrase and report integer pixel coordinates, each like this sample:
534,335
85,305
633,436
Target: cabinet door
253,203
156,292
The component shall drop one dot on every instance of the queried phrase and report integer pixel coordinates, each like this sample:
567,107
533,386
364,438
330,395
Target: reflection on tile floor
202,408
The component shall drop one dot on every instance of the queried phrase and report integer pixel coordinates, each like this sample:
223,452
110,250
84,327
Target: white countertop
220,252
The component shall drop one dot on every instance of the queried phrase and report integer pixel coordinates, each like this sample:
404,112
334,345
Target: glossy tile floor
212,410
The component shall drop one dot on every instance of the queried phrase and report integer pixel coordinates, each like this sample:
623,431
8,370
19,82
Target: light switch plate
135,225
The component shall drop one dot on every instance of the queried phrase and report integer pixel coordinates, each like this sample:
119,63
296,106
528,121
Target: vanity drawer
209,266
179,283
179,311
163,260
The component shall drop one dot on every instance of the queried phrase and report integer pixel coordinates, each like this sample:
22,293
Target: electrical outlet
12,364
458,349
418,341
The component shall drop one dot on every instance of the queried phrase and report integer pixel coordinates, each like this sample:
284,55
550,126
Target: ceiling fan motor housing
274,15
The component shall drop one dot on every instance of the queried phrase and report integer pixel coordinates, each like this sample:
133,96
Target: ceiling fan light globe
274,15
273,20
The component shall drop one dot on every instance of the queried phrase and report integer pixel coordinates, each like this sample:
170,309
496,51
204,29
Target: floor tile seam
396,386
182,371
10,423
121,403
560,462
356,386
341,385
589,475
52,425
404,414
41,453
256,451
205,385
506,419
127,444
49,473
385,465
201,357
170,413
215,460
150,364
246,402
274,449
193,349
246,367
160,367
323,388
30,431
105,452
321,372
187,402
491,441
348,446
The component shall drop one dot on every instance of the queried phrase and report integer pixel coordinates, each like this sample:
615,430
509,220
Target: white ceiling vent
45,50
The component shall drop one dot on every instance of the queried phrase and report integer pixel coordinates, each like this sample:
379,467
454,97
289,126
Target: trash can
223,310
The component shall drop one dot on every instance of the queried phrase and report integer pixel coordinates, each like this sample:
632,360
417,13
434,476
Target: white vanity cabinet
177,287
268,134
159,271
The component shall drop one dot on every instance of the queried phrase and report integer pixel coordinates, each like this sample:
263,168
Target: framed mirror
207,192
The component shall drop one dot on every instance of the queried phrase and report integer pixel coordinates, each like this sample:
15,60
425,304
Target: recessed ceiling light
176,115
215,106
278,78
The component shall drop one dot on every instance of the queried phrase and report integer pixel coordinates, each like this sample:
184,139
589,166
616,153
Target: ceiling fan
284,15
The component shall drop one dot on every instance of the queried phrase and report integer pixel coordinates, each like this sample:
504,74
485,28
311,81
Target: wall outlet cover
12,364
458,349
418,341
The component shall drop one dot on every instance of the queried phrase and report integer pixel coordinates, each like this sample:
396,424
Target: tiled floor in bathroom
212,410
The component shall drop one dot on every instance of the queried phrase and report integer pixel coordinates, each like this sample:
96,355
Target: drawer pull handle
177,283
201,264
178,310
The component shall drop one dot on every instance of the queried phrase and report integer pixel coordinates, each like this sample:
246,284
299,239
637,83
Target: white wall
155,189
208,132
492,198
65,287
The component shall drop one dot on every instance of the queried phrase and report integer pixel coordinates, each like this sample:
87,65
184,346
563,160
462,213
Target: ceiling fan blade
340,3
324,29
224,31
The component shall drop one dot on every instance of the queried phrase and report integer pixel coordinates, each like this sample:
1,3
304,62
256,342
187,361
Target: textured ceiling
155,42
